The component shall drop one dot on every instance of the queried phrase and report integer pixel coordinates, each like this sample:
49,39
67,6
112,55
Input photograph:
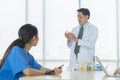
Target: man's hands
71,37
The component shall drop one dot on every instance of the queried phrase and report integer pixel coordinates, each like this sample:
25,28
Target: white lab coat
87,43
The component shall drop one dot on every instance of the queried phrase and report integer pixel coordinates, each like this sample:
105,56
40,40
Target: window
60,16
35,17
103,15
12,16
53,18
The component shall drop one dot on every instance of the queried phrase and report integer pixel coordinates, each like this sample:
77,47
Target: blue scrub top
17,60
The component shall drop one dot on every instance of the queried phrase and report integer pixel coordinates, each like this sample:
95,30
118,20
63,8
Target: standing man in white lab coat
82,39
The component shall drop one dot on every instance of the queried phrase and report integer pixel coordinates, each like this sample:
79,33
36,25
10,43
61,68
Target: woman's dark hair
85,11
25,33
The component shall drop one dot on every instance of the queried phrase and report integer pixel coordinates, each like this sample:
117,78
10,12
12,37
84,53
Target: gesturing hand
71,36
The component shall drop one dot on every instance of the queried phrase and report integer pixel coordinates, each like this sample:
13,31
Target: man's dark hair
85,12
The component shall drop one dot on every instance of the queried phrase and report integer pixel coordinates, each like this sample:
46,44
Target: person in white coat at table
82,39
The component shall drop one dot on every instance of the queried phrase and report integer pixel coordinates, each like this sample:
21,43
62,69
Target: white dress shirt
87,45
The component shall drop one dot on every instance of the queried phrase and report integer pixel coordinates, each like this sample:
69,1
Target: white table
73,75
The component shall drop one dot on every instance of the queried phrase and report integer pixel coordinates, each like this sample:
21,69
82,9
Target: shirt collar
85,25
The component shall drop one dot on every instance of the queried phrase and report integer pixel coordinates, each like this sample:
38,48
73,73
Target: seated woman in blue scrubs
17,61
